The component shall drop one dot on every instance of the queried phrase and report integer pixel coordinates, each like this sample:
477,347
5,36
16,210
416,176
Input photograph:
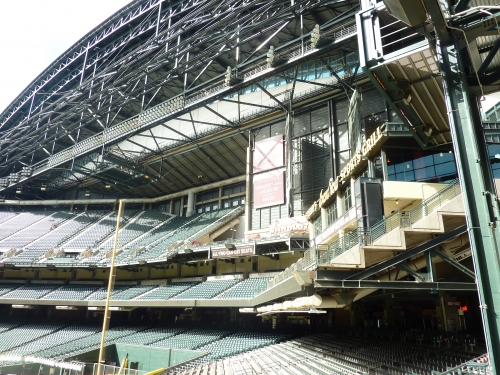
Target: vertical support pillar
430,266
289,159
477,192
371,168
248,207
383,157
181,213
190,204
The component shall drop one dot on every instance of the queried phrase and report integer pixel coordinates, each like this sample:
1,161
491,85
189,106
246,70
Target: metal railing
479,365
406,219
325,254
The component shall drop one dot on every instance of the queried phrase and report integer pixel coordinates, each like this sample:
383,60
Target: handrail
406,219
478,365
322,254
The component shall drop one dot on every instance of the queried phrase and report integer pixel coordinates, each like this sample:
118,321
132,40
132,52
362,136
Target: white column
190,204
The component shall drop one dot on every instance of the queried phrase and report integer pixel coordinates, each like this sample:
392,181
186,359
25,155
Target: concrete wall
410,190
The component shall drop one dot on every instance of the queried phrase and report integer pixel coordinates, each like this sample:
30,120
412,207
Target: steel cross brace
408,254
410,271
454,263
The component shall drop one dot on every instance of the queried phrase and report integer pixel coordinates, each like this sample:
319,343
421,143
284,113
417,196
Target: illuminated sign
356,163
269,189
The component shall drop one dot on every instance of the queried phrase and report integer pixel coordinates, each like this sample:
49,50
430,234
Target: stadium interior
257,187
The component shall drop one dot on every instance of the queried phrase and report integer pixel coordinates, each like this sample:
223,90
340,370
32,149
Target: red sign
268,154
269,189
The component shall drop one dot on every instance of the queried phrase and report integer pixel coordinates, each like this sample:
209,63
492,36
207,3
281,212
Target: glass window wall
420,165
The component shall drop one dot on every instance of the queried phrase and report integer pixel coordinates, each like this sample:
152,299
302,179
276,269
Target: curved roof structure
145,99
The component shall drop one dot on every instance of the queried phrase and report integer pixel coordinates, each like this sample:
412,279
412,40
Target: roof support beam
285,109
234,125
487,61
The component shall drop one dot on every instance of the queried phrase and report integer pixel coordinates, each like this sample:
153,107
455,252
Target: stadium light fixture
43,187
87,193
19,190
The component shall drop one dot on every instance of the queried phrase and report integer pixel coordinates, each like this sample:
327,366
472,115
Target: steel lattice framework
91,116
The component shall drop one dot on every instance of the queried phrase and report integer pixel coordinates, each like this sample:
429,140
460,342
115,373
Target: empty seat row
207,289
248,288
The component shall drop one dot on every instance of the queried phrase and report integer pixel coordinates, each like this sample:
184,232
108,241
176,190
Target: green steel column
478,192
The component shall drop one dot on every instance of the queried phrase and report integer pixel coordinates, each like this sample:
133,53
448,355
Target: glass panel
420,165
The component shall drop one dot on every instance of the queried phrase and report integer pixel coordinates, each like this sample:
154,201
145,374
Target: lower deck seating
193,339
242,352
58,337
238,343
87,343
23,334
325,354
150,336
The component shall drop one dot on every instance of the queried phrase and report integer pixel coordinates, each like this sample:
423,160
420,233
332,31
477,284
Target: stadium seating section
58,237
181,290
232,352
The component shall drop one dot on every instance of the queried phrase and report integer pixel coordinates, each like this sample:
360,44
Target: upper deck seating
207,289
248,288
167,291
21,221
97,232
143,223
72,292
31,291
36,230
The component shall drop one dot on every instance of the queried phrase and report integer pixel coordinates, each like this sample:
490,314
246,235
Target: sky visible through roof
33,33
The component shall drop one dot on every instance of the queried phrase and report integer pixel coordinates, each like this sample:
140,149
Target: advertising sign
269,189
233,253
268,154
335,227
296,226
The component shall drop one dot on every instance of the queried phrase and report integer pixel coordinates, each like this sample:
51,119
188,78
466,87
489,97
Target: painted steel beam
407,285
478,191
410,271
454,263
408,254
488,59
461,5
